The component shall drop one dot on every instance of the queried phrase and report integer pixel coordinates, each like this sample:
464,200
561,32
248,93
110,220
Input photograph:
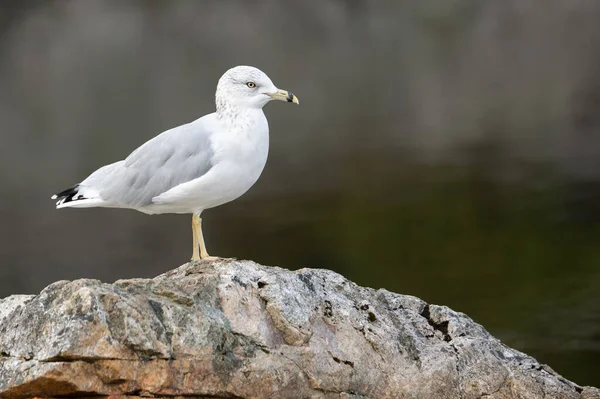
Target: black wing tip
67,192
67,195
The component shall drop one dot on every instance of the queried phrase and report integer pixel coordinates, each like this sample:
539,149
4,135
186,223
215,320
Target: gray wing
169,159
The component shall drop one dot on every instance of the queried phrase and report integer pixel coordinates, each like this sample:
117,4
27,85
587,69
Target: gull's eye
251,85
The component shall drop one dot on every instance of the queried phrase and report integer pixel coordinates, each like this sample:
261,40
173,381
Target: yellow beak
283,95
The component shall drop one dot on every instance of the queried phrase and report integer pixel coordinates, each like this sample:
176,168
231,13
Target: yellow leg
199,241
195,227
203,253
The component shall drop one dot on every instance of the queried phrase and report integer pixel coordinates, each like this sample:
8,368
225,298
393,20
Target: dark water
447,150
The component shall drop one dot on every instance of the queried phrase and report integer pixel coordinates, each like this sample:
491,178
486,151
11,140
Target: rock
236,329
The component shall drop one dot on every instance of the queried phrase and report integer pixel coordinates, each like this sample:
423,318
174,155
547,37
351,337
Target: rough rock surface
236,329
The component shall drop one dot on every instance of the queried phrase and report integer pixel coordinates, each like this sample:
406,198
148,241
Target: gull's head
249,87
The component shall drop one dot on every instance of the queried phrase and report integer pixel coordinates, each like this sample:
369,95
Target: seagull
187,169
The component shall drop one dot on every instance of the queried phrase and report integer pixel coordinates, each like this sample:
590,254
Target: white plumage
193,167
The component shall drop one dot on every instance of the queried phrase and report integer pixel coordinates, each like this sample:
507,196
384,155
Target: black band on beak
290,97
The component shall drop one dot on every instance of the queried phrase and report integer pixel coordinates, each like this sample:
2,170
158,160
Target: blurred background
448,149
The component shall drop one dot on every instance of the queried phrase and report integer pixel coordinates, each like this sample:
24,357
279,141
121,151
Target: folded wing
174,157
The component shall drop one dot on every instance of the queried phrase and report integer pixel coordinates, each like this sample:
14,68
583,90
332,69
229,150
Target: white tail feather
84,203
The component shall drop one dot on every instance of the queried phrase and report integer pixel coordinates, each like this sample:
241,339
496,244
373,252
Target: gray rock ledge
236,329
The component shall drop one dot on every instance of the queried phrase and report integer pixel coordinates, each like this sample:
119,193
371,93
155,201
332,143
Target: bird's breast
246,146
239,158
